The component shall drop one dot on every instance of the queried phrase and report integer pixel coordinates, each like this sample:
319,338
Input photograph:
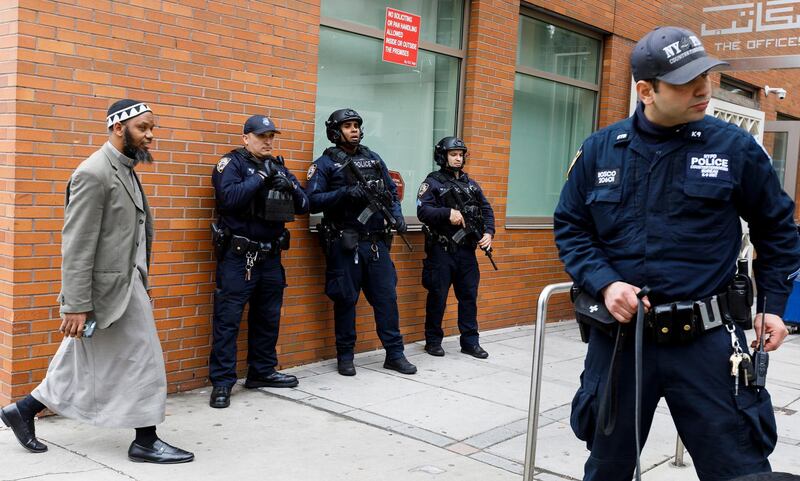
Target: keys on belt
253,251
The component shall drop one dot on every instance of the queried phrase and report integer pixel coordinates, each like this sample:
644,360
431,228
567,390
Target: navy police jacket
236,184
667,215
433,208
328,179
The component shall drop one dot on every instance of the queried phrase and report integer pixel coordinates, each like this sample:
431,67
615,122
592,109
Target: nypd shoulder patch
422,189
222,163
311,170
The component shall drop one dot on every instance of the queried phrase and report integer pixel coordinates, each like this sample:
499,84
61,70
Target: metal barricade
536,373
536,382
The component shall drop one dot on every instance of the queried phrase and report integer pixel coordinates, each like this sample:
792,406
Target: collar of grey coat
127,176
116,154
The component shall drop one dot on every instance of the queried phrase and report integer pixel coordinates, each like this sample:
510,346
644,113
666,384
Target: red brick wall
205,67
8,70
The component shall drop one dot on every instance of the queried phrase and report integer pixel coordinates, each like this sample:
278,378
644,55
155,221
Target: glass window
405,110
736,87
546,47
549,122
441,19
555,99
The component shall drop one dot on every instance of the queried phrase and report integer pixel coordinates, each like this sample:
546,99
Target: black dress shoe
220,397
346,368
434,350
400,365
23,429
276,379
159,452
475,351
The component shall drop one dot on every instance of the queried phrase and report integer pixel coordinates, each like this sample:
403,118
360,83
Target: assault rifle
473,220
377,202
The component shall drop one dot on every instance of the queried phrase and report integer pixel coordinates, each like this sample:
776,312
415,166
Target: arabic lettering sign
731,28
401,37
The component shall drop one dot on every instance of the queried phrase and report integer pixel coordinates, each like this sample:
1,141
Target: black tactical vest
457,193
268,205
370,168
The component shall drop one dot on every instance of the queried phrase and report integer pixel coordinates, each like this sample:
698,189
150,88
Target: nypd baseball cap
258,124
671,54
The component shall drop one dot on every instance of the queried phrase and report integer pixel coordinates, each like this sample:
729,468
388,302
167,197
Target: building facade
522,82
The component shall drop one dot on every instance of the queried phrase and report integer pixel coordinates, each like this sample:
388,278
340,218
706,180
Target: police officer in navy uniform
256,194
655,200
457,219
357,254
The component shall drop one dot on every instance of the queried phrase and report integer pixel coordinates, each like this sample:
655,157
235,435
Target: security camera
781,93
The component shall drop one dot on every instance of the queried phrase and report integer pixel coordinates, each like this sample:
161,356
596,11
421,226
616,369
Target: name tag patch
708,166
607,177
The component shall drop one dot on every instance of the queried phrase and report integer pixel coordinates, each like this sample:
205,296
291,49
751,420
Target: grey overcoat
98,245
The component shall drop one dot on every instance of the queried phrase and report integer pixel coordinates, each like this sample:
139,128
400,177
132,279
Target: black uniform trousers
370,268
727,435
440,270
264,292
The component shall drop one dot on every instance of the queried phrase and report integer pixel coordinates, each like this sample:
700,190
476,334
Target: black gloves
281,183
401,226
356,192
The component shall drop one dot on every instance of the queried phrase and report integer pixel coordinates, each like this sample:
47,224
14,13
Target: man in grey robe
116,377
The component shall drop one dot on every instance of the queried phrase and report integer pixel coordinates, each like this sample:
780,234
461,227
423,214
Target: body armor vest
369,167
457,194
461,195
269,205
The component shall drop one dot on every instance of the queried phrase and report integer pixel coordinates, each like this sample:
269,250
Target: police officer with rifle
256,195
457,219
350,185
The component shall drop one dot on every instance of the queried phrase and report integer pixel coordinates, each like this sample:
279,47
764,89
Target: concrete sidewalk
458,418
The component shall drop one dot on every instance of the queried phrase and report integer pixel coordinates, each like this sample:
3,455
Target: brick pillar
8,71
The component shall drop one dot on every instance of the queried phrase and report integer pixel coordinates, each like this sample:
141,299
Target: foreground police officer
256,194
357,251
457,219
655,200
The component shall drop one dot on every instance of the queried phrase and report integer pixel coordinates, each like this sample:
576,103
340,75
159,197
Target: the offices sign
763,28
752,26
750,35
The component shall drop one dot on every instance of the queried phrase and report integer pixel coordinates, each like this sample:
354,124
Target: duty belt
681,322
340,232
373,236
448,244
242,246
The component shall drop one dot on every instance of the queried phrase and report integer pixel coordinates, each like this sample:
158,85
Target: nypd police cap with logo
671,54
258,124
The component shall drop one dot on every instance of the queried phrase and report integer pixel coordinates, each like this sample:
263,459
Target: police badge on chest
707,166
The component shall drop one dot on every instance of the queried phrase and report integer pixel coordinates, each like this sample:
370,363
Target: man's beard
138,155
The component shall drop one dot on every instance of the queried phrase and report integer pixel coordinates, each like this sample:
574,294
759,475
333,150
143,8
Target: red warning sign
398,182
401,37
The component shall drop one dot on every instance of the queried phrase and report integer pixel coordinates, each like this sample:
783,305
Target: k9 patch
607,177
704,166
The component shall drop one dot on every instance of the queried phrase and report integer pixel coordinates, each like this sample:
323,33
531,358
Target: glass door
782,141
